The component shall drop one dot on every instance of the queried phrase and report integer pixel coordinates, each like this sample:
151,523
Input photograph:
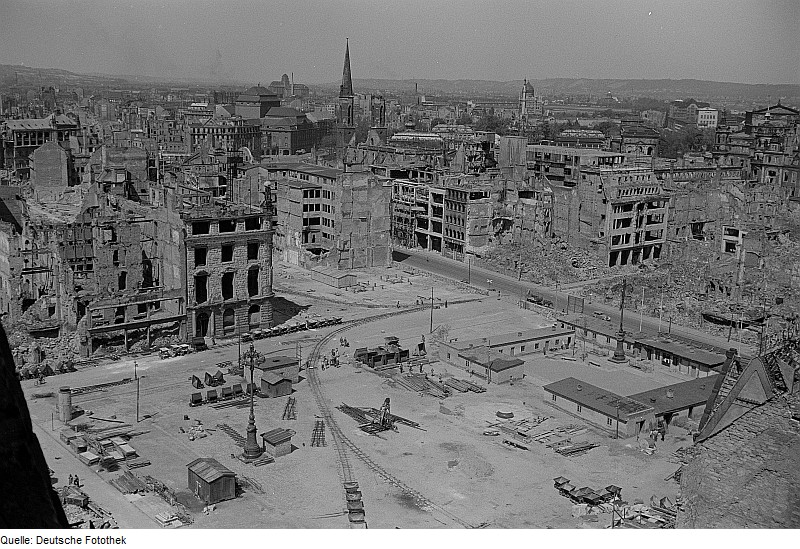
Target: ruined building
328,217
228,265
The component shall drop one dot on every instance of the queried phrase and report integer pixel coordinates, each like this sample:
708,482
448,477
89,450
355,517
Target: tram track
343,443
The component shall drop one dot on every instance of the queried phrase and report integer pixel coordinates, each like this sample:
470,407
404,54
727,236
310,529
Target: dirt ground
474,477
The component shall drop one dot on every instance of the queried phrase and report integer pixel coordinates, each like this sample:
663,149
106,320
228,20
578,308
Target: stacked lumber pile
418,383
575,449
128,483
137,463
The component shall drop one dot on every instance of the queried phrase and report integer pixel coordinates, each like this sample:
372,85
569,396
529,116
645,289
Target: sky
249,41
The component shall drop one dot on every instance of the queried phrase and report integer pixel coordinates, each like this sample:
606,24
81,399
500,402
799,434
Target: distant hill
18,75
719,92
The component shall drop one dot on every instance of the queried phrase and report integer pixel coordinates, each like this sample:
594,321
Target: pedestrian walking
70,480
77,482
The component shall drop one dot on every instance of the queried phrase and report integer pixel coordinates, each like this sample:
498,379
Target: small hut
274,385
278,442
211,481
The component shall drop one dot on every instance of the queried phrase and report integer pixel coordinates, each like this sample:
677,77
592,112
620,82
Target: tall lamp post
251,448
619,352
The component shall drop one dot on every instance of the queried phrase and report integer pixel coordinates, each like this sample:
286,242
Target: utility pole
661,309
641,313
469,270
136,377
431,310
137,400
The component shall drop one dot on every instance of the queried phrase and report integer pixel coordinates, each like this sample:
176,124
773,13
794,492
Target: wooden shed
278,442
274,385
211,481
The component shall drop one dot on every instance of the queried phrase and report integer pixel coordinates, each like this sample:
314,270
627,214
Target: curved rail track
343,443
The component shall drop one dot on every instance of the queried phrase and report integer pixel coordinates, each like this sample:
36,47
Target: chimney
670,393
579,387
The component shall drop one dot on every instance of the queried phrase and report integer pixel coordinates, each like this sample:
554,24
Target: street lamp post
136,377
251,448
619,352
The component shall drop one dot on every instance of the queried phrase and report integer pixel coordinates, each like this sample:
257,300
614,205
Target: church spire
347,80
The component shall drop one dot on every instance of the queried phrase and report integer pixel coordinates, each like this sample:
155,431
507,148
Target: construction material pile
423,384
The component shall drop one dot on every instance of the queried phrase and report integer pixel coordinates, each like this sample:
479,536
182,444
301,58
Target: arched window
254,314
201,325
229,321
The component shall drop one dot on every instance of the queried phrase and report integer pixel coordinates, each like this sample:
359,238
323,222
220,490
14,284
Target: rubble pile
682,289
543,262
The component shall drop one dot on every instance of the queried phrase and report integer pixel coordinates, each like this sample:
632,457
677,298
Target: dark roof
273,379
489,358
522,336
596,398
209,469
682,350
255,93
276,436
684,395
276,362
284,112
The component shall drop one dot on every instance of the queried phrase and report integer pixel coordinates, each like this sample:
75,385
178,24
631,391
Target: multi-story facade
255,103
330,217
563,165
286,131
228,266
707,117
636,217
21,137
230,134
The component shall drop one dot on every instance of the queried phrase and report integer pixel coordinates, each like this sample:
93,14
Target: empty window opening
200,256
252,250
227,253
252,282
227,226
201,227
227,286
201,288
229,321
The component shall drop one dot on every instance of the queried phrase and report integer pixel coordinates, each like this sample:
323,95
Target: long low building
491,365
696,362
523,342
644,410
613,412
686,400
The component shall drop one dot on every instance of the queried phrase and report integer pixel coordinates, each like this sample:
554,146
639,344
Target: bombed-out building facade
228,266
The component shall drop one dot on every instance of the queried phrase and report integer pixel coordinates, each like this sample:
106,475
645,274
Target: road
509,287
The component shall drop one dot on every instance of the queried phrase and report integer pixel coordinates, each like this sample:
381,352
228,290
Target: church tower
346,115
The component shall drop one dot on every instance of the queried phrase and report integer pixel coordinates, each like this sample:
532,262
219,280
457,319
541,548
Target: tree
464,120
437,121
492,123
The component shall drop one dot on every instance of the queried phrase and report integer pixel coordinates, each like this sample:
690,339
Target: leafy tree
492,123
465,120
